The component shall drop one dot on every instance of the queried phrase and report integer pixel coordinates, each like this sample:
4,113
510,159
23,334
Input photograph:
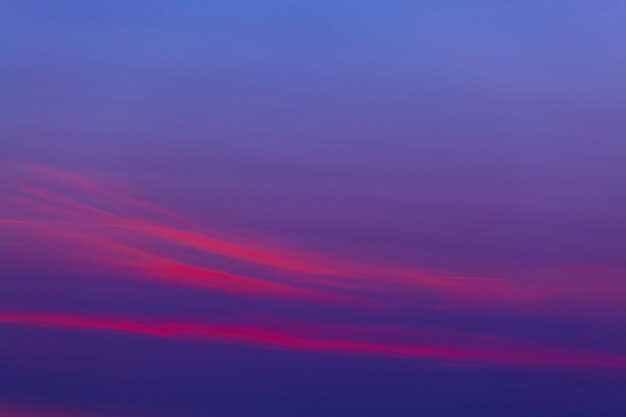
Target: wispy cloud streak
494,352
77,205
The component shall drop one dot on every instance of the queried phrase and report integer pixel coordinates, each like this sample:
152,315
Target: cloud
80,213
318,338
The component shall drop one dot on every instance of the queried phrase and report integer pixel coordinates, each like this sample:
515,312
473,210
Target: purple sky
312,208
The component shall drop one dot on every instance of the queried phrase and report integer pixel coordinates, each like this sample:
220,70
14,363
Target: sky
323,208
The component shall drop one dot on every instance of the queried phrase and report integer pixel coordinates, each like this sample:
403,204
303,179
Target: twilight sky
312,208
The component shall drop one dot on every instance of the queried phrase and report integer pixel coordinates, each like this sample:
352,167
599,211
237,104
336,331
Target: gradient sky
312,208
